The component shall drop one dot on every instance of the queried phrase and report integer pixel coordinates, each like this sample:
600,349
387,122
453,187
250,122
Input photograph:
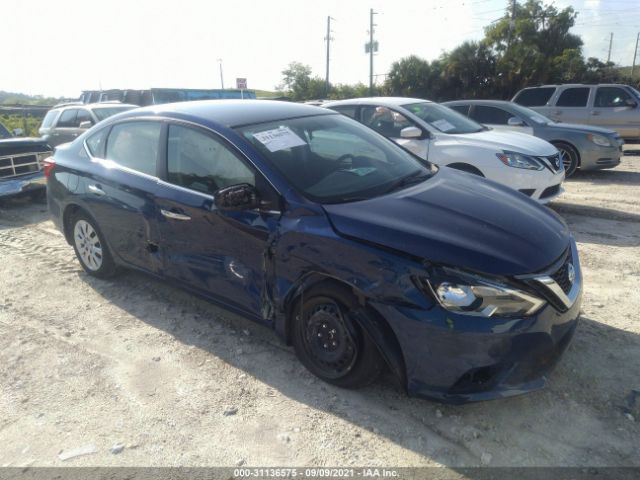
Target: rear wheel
569,156
329,343
90,248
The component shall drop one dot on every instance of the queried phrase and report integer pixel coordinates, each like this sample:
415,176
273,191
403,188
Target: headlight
599,140
519,160
471,294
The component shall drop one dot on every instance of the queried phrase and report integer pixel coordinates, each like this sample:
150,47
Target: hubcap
329,341
88,245
566,159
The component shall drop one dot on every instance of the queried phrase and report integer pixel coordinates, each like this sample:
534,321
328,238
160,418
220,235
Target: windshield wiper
411,179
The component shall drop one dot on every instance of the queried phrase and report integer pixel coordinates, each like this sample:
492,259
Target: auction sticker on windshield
442,125
279,139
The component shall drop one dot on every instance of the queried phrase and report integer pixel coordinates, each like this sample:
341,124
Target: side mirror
410,132
87,124
631,103
17,132
236,197
515,122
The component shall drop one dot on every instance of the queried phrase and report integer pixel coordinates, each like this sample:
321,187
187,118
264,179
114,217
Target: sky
61,47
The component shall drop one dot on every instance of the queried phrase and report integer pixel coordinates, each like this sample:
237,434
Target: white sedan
444,137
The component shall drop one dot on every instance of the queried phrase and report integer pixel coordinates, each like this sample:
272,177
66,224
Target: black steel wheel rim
328,340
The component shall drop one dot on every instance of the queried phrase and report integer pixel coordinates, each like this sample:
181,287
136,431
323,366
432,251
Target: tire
570,157
329,343
90,247
464,167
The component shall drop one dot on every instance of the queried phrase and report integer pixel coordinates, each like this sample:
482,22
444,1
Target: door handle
174,215
558,112
96,190
595,112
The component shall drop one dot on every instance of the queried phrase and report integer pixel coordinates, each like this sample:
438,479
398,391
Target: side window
490,115
534,97
135,145
573,97
83,116
348,110
96,143
611,97
462,109
203,163
68,118
384,120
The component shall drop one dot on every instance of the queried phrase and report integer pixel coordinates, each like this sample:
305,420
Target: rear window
573,97
491,115
534,97
348,110
4,133
106,112
49,118
463,109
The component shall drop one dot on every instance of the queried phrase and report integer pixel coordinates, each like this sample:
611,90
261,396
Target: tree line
535,48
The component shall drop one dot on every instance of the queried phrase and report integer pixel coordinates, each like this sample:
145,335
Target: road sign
241,83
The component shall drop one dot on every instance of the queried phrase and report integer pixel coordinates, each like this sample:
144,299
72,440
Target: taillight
48,165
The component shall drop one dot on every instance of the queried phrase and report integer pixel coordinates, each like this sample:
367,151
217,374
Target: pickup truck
21,163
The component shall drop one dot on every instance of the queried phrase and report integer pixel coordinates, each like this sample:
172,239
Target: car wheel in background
570,157
90,248
329,343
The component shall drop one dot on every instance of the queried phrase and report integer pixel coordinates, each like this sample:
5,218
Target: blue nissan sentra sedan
358,253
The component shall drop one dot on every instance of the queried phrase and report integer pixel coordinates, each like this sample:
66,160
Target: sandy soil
176,381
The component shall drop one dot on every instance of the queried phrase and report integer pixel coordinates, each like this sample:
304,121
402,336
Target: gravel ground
134,372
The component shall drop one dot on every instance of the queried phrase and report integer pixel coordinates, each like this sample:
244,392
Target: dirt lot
179,382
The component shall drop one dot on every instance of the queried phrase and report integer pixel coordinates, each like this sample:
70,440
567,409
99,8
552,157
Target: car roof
577,85
383,101
233,113
92,106
478,102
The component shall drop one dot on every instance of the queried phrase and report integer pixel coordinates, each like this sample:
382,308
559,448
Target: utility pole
221,77
635,54
328,40
371,49
610,44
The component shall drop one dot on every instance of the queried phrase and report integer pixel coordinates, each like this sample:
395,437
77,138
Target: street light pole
371,25
328,39
221,77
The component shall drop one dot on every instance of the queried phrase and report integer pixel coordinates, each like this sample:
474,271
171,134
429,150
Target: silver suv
64,123
612,106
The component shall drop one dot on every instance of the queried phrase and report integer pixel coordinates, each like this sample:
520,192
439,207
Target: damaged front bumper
24,183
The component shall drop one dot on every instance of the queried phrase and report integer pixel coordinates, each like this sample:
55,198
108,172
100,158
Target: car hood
563,127
504,140
458,219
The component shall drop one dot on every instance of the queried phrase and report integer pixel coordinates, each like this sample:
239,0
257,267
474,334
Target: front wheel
330,344
569,158
90,248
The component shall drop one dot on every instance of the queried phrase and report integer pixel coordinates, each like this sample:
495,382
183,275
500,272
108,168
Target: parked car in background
612,106
581,146
354,250
21,163
442,136
64,123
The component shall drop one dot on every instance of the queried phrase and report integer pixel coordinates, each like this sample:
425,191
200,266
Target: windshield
333,159
4,133
531,114
105,112
443,118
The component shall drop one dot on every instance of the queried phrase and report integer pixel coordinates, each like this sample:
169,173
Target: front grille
548,192
21,164
527,191
561,276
